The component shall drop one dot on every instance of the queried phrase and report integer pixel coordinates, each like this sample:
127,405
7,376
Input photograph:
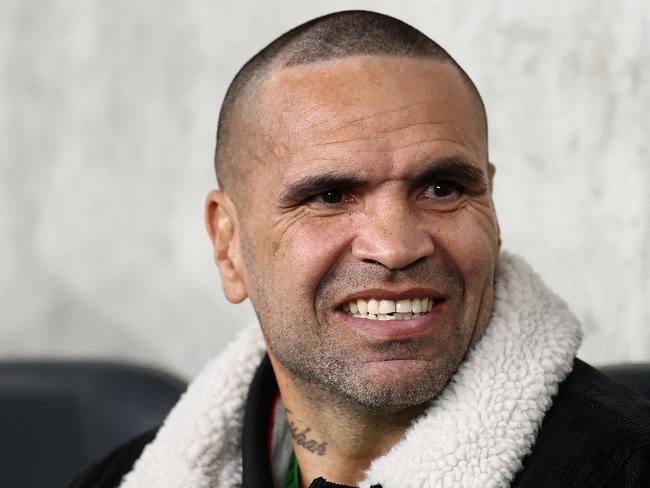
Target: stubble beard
340,369
343,375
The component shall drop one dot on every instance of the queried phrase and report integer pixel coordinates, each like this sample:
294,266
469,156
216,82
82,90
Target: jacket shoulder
596,433
109,471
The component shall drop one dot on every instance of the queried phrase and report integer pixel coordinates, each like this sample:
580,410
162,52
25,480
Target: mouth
377,308
381,315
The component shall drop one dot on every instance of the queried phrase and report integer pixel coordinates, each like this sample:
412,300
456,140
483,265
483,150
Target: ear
222,223
491,172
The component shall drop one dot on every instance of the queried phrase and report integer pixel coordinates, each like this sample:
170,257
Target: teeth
403,316
386,306
362,305
403,306
384,309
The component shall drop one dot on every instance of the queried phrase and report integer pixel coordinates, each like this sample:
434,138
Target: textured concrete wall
107,115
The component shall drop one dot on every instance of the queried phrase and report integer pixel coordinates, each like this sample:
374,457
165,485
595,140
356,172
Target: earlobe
222,224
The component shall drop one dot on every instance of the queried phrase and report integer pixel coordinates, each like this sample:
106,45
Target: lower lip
392,330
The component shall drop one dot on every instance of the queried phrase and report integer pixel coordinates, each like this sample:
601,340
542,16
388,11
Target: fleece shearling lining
475,433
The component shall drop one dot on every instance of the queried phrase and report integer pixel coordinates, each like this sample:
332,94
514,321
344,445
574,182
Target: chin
394,384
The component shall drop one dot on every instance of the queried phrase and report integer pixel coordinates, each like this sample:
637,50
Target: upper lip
387,294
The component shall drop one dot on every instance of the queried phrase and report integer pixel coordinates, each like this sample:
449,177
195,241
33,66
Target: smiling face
369,239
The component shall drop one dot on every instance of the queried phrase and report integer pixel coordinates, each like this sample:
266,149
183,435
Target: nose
392,235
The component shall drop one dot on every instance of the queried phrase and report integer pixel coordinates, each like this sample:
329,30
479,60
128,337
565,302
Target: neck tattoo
304,439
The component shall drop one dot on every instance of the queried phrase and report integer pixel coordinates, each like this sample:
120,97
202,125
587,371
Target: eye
330,197
441,190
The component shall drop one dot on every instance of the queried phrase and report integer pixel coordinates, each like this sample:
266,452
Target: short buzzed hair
337,35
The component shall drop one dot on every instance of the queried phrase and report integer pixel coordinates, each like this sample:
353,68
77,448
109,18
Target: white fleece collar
475,434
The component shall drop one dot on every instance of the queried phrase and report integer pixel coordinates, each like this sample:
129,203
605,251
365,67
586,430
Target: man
398,346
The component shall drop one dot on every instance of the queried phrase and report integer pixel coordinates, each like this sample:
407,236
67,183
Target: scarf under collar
475,433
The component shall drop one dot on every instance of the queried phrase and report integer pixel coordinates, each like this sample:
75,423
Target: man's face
370,183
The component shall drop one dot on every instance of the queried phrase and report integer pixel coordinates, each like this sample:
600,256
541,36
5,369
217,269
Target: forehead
370,107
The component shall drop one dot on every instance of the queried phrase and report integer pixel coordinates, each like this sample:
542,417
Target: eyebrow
454,169
313,184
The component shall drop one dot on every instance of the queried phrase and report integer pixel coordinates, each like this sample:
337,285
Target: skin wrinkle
307,128
450,165
379,135
309,110
422,143
247,109
347,124
365,120
391,131
460,202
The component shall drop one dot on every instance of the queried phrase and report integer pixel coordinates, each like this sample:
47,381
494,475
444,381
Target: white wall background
107,118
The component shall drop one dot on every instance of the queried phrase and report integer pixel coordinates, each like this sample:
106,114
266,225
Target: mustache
420,274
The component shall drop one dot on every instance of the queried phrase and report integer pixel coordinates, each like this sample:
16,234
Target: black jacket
596,434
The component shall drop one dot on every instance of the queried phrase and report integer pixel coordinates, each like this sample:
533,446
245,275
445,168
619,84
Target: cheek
307,249
470,241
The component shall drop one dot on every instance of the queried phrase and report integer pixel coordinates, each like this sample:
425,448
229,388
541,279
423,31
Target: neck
335,438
